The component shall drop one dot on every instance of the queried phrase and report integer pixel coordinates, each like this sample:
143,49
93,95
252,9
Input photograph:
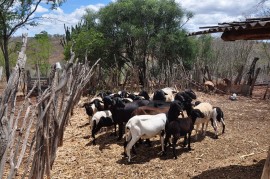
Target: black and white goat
99,120
207,110
96,104
218,115
165,94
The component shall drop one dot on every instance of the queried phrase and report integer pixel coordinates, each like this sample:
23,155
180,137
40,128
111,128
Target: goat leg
115,134
223,124
120,132
189,136
94,130
174,145
148,142
185,141
165,145
133,150
125,145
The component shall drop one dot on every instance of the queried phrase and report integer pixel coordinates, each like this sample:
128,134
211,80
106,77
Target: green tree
133,33
40,50
139,31
14,15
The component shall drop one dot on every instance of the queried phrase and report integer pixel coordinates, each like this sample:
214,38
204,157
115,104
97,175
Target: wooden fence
32,129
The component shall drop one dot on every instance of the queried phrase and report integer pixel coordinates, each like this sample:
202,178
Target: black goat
159,95
186,98
178,127
122,112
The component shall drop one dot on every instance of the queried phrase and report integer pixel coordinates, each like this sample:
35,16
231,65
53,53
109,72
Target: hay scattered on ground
239,153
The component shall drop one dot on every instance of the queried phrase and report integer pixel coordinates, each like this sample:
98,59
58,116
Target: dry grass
239,153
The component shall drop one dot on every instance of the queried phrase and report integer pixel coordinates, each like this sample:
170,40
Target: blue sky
207,13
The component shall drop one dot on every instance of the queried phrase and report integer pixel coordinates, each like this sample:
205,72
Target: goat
159,95
181,127
143,126
101,119
209,86
135,97
218,116
170,93
178,127
143,110
186,98
121,112
144,94
207,110
93,106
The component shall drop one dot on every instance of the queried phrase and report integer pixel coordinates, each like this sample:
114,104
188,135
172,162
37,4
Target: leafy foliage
15,15
134,33
39,53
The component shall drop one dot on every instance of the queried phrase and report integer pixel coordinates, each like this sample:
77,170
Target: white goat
145,127
207,110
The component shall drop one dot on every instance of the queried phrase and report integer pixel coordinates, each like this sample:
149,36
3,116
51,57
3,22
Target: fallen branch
248,155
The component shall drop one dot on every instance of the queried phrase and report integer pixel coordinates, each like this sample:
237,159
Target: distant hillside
57,51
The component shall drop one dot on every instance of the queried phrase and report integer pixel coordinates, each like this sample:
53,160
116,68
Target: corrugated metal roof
251,23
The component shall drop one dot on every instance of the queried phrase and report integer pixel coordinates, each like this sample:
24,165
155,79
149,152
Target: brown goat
149,110
143,110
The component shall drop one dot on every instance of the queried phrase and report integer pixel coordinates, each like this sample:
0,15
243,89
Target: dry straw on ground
239,153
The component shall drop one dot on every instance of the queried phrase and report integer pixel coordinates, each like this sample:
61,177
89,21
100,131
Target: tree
15,14
139,32
40,50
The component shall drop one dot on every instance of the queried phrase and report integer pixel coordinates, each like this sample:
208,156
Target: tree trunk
254,80
208,73
239,75
251,71
6,57
265,93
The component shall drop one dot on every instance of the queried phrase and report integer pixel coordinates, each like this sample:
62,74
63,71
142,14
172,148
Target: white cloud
212,12
207,13
40,9
53,22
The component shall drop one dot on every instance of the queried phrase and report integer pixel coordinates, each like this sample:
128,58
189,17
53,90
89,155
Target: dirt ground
239,153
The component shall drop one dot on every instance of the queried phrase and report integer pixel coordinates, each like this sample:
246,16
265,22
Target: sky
206,13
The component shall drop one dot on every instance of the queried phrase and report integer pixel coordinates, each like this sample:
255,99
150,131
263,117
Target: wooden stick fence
31,132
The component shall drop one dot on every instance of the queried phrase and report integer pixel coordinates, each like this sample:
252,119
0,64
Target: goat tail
127,134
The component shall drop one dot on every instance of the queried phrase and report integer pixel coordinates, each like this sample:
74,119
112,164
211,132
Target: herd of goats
166,112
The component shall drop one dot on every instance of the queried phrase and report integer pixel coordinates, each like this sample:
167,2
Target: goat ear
113,102
91,103
180,103
99,101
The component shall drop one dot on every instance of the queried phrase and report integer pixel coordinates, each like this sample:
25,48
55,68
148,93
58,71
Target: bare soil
239,153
